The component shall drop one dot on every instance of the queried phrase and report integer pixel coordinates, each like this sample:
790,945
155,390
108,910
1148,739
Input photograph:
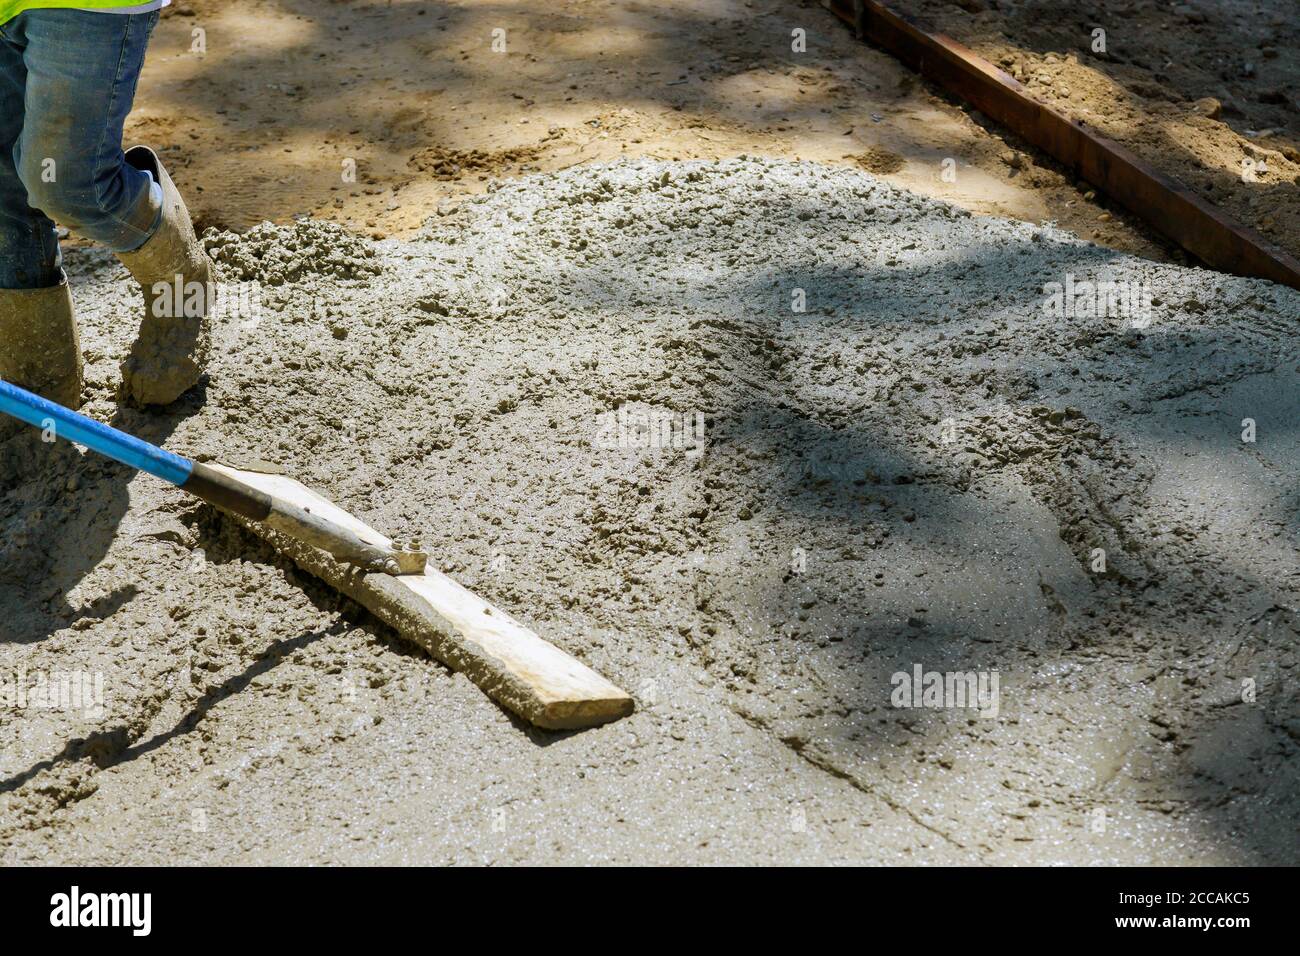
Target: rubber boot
40,349
41,352
179,283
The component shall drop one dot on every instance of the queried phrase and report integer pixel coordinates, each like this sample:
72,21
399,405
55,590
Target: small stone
1208,106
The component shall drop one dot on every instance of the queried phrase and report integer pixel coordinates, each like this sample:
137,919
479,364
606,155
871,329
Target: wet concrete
923,466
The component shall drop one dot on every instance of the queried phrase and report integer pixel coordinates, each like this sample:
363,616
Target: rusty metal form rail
1164,203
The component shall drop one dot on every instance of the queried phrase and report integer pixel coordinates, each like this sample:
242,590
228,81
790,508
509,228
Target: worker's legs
81,70
77,71
126,202
39,346
29,250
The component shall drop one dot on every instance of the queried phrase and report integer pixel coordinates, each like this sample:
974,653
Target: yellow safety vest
11,8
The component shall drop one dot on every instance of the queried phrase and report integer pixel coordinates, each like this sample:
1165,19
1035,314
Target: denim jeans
67,79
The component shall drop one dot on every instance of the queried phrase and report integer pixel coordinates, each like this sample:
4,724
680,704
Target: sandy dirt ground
1206,90
908,459
261,122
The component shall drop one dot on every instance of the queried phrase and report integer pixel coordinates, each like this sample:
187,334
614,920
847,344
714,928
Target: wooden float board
520,670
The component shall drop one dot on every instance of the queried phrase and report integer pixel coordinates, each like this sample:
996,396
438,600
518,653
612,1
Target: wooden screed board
518,669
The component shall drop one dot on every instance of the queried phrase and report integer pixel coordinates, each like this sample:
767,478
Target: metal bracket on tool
343,544
221,489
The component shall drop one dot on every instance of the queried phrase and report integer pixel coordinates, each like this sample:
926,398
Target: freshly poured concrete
920,467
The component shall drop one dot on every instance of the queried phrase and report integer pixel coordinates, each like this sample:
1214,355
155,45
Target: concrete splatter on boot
40,349
179,282
41,352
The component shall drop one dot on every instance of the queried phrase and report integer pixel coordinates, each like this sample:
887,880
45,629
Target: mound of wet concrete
754,438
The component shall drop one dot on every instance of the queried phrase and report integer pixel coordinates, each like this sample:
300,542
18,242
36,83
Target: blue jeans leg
29,248
67,81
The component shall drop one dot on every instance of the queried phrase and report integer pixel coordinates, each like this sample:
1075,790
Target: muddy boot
179,282
39,346
41,352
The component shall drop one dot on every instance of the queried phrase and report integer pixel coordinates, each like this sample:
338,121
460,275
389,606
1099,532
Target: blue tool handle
70,426
219,486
